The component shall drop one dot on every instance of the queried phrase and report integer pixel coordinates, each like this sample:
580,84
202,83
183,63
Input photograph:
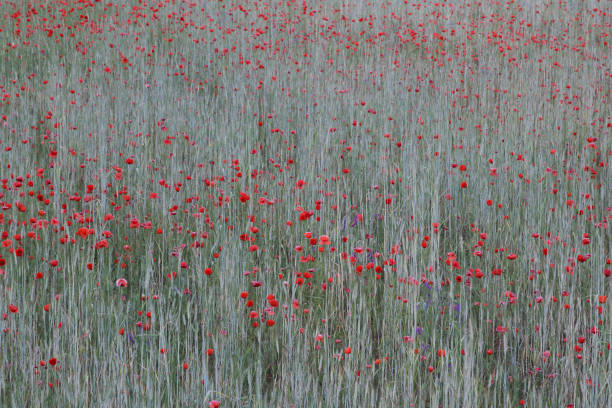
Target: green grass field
305,203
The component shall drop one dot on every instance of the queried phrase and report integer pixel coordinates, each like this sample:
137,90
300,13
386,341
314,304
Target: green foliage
144,123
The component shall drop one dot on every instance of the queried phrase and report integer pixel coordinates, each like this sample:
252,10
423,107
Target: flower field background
305,203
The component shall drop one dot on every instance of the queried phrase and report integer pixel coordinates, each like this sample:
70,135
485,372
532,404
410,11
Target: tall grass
374,107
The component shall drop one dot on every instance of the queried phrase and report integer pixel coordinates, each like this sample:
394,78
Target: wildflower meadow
292,203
